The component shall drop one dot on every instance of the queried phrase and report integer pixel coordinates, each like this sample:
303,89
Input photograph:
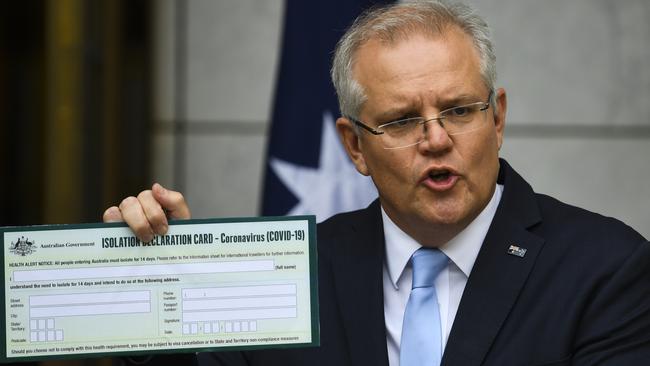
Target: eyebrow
444,103
460,99
395,113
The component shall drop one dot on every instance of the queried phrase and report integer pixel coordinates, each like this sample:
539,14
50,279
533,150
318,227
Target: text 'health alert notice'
94,290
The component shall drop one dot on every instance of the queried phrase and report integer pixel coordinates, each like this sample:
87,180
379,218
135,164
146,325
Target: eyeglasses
405,132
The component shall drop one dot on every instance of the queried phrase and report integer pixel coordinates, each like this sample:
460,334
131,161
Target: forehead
439,66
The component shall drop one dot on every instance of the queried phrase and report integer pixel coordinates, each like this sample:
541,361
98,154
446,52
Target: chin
447,213
445,219
441,216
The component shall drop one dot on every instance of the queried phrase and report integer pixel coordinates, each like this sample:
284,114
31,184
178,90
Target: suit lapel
491,291
357,265
497,277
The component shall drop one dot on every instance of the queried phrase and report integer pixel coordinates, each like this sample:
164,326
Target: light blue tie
421,343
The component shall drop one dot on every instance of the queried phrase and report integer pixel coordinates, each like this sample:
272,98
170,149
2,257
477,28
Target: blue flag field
307,170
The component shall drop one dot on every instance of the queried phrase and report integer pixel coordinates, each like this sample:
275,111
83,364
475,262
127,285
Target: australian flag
307,170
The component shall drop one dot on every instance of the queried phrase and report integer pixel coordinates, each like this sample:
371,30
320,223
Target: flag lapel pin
517,251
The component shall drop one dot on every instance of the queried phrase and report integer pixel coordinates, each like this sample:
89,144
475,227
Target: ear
500,116
352,144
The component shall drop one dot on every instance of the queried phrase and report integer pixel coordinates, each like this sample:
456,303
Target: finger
173,202
154,212
134,216
112,214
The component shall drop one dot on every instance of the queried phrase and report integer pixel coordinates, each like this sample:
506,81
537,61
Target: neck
427,234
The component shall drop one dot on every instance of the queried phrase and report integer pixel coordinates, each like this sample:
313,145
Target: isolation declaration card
73,291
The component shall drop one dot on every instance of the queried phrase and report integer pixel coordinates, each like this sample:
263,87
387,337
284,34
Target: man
524,279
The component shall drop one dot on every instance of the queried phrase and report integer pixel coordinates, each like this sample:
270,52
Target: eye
401,122
400,126
460,111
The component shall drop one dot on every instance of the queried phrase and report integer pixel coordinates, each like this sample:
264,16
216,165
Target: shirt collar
462,249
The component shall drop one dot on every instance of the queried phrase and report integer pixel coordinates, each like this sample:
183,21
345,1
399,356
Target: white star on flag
335,186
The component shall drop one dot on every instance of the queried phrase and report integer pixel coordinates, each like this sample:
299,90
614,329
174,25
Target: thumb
172,202
112,214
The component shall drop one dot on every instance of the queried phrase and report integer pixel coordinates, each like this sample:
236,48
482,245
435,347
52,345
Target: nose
435,137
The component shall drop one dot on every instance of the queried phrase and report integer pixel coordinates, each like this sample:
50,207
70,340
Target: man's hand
147,214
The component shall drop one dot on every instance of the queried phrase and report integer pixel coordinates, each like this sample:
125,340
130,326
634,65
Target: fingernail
148,237
162,229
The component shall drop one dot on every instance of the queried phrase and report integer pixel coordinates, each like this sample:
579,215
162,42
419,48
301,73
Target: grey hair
397,22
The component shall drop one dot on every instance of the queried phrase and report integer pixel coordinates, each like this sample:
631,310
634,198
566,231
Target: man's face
436,188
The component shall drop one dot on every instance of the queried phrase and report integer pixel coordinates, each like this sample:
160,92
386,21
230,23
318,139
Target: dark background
75,111
75,107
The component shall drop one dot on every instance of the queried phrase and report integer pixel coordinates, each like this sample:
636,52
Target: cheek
393,169
481,158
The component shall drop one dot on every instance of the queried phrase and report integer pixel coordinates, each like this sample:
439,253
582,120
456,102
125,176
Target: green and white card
90,290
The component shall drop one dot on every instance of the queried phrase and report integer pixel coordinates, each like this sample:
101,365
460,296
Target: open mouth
440,176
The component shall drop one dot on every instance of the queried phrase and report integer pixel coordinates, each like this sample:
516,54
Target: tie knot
427,264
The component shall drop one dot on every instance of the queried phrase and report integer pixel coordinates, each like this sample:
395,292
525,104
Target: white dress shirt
462,251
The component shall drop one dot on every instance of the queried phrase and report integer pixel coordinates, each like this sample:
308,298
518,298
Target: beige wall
577,75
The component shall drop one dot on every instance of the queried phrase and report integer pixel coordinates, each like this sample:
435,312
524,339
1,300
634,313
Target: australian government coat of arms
22,246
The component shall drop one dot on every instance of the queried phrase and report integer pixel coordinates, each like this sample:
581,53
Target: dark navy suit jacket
579,296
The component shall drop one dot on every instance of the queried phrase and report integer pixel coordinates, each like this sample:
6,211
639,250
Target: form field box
240,303
203,316
94,303
98,309
89,298
239,291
